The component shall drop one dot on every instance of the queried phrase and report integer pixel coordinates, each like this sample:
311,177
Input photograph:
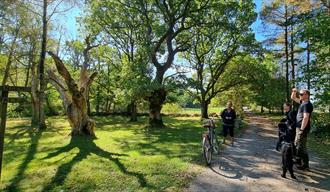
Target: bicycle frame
210,142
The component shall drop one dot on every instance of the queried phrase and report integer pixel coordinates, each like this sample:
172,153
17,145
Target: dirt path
253,164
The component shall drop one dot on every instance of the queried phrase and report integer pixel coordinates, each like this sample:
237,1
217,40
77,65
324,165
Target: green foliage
321,124
315,28
214,47
172,108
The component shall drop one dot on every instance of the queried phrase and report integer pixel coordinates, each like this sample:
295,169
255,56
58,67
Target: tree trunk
204,109
34,96
156,101
42,124
292,58
89,111
286,55
97,105
262,109
133,111
75,98
10,59
308,65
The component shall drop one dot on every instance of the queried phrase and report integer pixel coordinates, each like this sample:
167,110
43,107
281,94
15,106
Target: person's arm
294,95
304,122
222,114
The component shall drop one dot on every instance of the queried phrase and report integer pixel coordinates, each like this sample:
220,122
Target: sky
71,26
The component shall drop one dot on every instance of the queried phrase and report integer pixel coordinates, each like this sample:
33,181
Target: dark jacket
228,117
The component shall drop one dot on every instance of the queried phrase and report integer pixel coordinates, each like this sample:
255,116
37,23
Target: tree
314,31
75,99
164,27
119,26
214,47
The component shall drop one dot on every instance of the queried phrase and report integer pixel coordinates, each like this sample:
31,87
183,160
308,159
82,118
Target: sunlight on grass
126,156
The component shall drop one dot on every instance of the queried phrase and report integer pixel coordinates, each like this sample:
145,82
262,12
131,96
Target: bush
321,124
172,108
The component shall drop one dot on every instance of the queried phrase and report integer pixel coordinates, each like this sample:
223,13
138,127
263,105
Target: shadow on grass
86,147
35,137
180,138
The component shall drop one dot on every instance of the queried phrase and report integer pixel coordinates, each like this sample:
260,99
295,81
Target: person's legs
225,133
297,144
231,133
304,154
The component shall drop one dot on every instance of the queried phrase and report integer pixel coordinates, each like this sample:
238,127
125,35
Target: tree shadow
184,136
35,137
86,147
21,132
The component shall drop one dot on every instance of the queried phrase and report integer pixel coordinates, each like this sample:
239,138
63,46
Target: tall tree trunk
97,105
34,95
204,109
10,58
286,55
262,109
292,58
308,65
133,110
42,124
156,101
89,111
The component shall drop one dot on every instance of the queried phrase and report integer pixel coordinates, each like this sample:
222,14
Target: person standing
287,126
228,116
303,126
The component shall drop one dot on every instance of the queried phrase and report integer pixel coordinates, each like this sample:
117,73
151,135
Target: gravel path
253,164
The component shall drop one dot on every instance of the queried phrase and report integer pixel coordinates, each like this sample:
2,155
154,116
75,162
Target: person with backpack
287,126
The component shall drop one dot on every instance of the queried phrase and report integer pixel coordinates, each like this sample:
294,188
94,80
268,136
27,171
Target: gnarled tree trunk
156,101
204,109
75,96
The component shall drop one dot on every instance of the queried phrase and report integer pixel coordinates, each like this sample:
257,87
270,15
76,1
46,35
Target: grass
125,157
174,109
216,110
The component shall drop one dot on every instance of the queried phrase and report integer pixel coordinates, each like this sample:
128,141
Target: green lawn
125,157
216,110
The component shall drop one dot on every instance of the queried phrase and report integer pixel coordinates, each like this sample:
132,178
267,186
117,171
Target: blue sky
71,27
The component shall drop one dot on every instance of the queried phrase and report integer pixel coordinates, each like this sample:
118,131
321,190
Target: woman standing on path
228,116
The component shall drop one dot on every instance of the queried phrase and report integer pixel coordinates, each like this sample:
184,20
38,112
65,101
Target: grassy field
174,109
125,157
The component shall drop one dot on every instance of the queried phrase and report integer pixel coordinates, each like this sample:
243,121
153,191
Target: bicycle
210,141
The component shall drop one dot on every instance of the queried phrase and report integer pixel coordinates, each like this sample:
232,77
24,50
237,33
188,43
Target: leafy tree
314,30
214,47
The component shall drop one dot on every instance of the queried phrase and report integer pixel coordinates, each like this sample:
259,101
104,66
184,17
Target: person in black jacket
287,126
228,116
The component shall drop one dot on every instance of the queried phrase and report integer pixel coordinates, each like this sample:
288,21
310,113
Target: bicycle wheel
207,150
